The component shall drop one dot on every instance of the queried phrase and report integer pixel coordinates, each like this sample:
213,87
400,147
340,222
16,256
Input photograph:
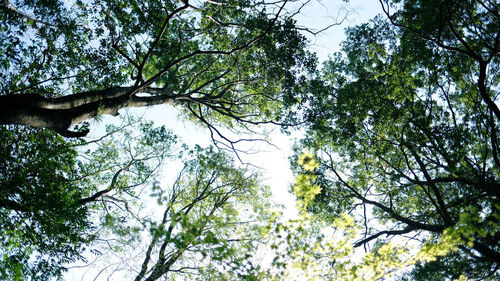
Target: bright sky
316,15
273,160
322,13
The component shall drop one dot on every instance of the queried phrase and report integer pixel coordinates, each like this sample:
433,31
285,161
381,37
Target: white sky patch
318,15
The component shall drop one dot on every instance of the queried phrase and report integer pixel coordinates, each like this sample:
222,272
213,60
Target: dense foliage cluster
41,222
406,130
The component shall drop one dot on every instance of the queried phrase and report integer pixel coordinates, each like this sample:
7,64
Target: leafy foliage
226,63
61,63
211,226
407,132
52,186
207,224
402,140
42,223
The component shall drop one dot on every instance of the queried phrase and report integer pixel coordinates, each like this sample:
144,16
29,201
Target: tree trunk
60,113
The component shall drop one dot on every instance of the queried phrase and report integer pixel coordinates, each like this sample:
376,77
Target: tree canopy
52,188
62,63
102,199
398,164
225,62
212,223
404,125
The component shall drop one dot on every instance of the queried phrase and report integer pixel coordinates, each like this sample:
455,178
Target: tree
222,61
65,62
55,192
42,224
68,201
62,63
406,132
207,225
212,223
311,247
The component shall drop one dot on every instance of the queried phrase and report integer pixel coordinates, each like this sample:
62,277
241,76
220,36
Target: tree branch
384,232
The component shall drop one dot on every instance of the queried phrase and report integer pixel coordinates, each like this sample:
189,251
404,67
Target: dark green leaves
42,222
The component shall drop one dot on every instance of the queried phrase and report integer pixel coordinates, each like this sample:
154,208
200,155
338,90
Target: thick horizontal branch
60,113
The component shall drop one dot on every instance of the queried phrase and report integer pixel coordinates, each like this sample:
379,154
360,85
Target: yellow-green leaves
463,233
307,161
305,188
311,249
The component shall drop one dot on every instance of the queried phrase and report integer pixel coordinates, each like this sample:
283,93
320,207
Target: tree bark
62,112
